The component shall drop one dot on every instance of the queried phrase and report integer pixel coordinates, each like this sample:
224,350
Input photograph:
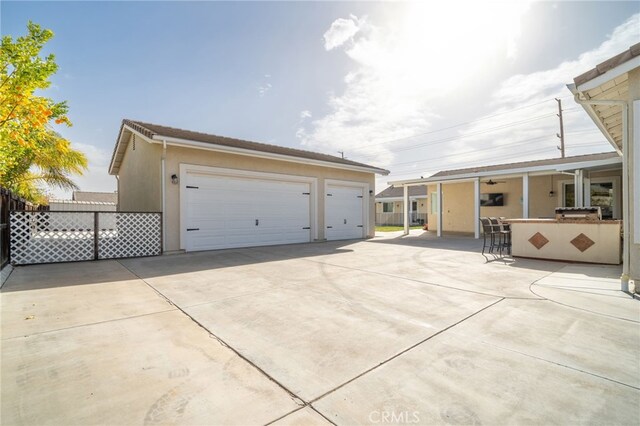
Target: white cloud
305,114
263,89
341,31
96,178
540,124
400,70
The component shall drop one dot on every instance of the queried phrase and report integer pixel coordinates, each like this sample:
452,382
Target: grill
585,213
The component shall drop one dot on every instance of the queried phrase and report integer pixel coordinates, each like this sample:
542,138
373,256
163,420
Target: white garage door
344,217
226,212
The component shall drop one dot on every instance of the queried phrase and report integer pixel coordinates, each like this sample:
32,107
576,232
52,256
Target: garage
216,192
230,209
345,213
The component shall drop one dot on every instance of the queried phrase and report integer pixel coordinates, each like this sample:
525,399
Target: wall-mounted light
371,192
552,194
174,179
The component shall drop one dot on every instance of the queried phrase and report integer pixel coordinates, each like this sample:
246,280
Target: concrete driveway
393,330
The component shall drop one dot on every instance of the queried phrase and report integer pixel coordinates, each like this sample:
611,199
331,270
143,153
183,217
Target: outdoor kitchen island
575,236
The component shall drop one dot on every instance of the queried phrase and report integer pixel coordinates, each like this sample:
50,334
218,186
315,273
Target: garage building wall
139,187
177,155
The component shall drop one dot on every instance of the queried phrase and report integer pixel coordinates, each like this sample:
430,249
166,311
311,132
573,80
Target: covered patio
530,189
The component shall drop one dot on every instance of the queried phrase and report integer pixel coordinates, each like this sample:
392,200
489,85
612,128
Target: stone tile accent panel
538,240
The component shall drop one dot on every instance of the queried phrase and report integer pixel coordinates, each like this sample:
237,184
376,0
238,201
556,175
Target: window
387,207
602,195
434,203
414,206
569,195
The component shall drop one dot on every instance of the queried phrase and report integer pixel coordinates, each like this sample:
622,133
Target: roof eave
591,112
260,154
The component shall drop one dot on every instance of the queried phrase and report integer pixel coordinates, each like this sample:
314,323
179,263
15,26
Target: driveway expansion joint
415,345
298,400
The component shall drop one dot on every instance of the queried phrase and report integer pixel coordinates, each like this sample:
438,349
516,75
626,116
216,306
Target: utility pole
561,134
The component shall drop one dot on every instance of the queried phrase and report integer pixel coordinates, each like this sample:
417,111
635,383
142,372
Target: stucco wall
175,156
139,178
457,200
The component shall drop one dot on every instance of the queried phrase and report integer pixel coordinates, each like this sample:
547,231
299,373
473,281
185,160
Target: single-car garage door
344,212
228,211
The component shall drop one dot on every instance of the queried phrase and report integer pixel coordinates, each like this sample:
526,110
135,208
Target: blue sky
376,80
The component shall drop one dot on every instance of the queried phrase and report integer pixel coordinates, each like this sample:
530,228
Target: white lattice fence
46,237
129,235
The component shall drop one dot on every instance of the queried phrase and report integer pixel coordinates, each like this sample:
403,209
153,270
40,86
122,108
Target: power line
525,141
465,123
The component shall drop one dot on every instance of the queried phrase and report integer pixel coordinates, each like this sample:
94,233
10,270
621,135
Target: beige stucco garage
217,192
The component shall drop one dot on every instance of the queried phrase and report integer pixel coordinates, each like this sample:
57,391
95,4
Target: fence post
96,226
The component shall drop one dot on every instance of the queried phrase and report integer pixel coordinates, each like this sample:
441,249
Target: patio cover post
476,207
405,211
578,187
525,195
439,207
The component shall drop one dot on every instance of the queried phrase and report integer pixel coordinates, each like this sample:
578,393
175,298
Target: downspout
624,279
163,185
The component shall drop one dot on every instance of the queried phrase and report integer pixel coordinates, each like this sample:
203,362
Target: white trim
365,201
219,171
611,74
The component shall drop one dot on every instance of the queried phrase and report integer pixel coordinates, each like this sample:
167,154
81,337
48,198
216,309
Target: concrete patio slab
452,380
42,298
599,345
154,369
593,288
304,417
314,337
440,263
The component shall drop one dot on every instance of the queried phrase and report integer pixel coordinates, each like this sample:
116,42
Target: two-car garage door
228,211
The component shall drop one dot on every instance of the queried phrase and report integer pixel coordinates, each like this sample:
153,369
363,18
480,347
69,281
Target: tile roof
524,164
607,65
398,192
150,130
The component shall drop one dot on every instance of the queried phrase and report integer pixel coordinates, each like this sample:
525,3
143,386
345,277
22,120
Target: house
101,197
610,94
217,192
389,206
86,201
528,189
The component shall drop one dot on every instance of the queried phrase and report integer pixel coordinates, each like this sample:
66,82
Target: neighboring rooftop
398,192
101,197
153,131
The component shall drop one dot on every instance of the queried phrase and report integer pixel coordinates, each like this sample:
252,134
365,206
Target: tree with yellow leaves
32,154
